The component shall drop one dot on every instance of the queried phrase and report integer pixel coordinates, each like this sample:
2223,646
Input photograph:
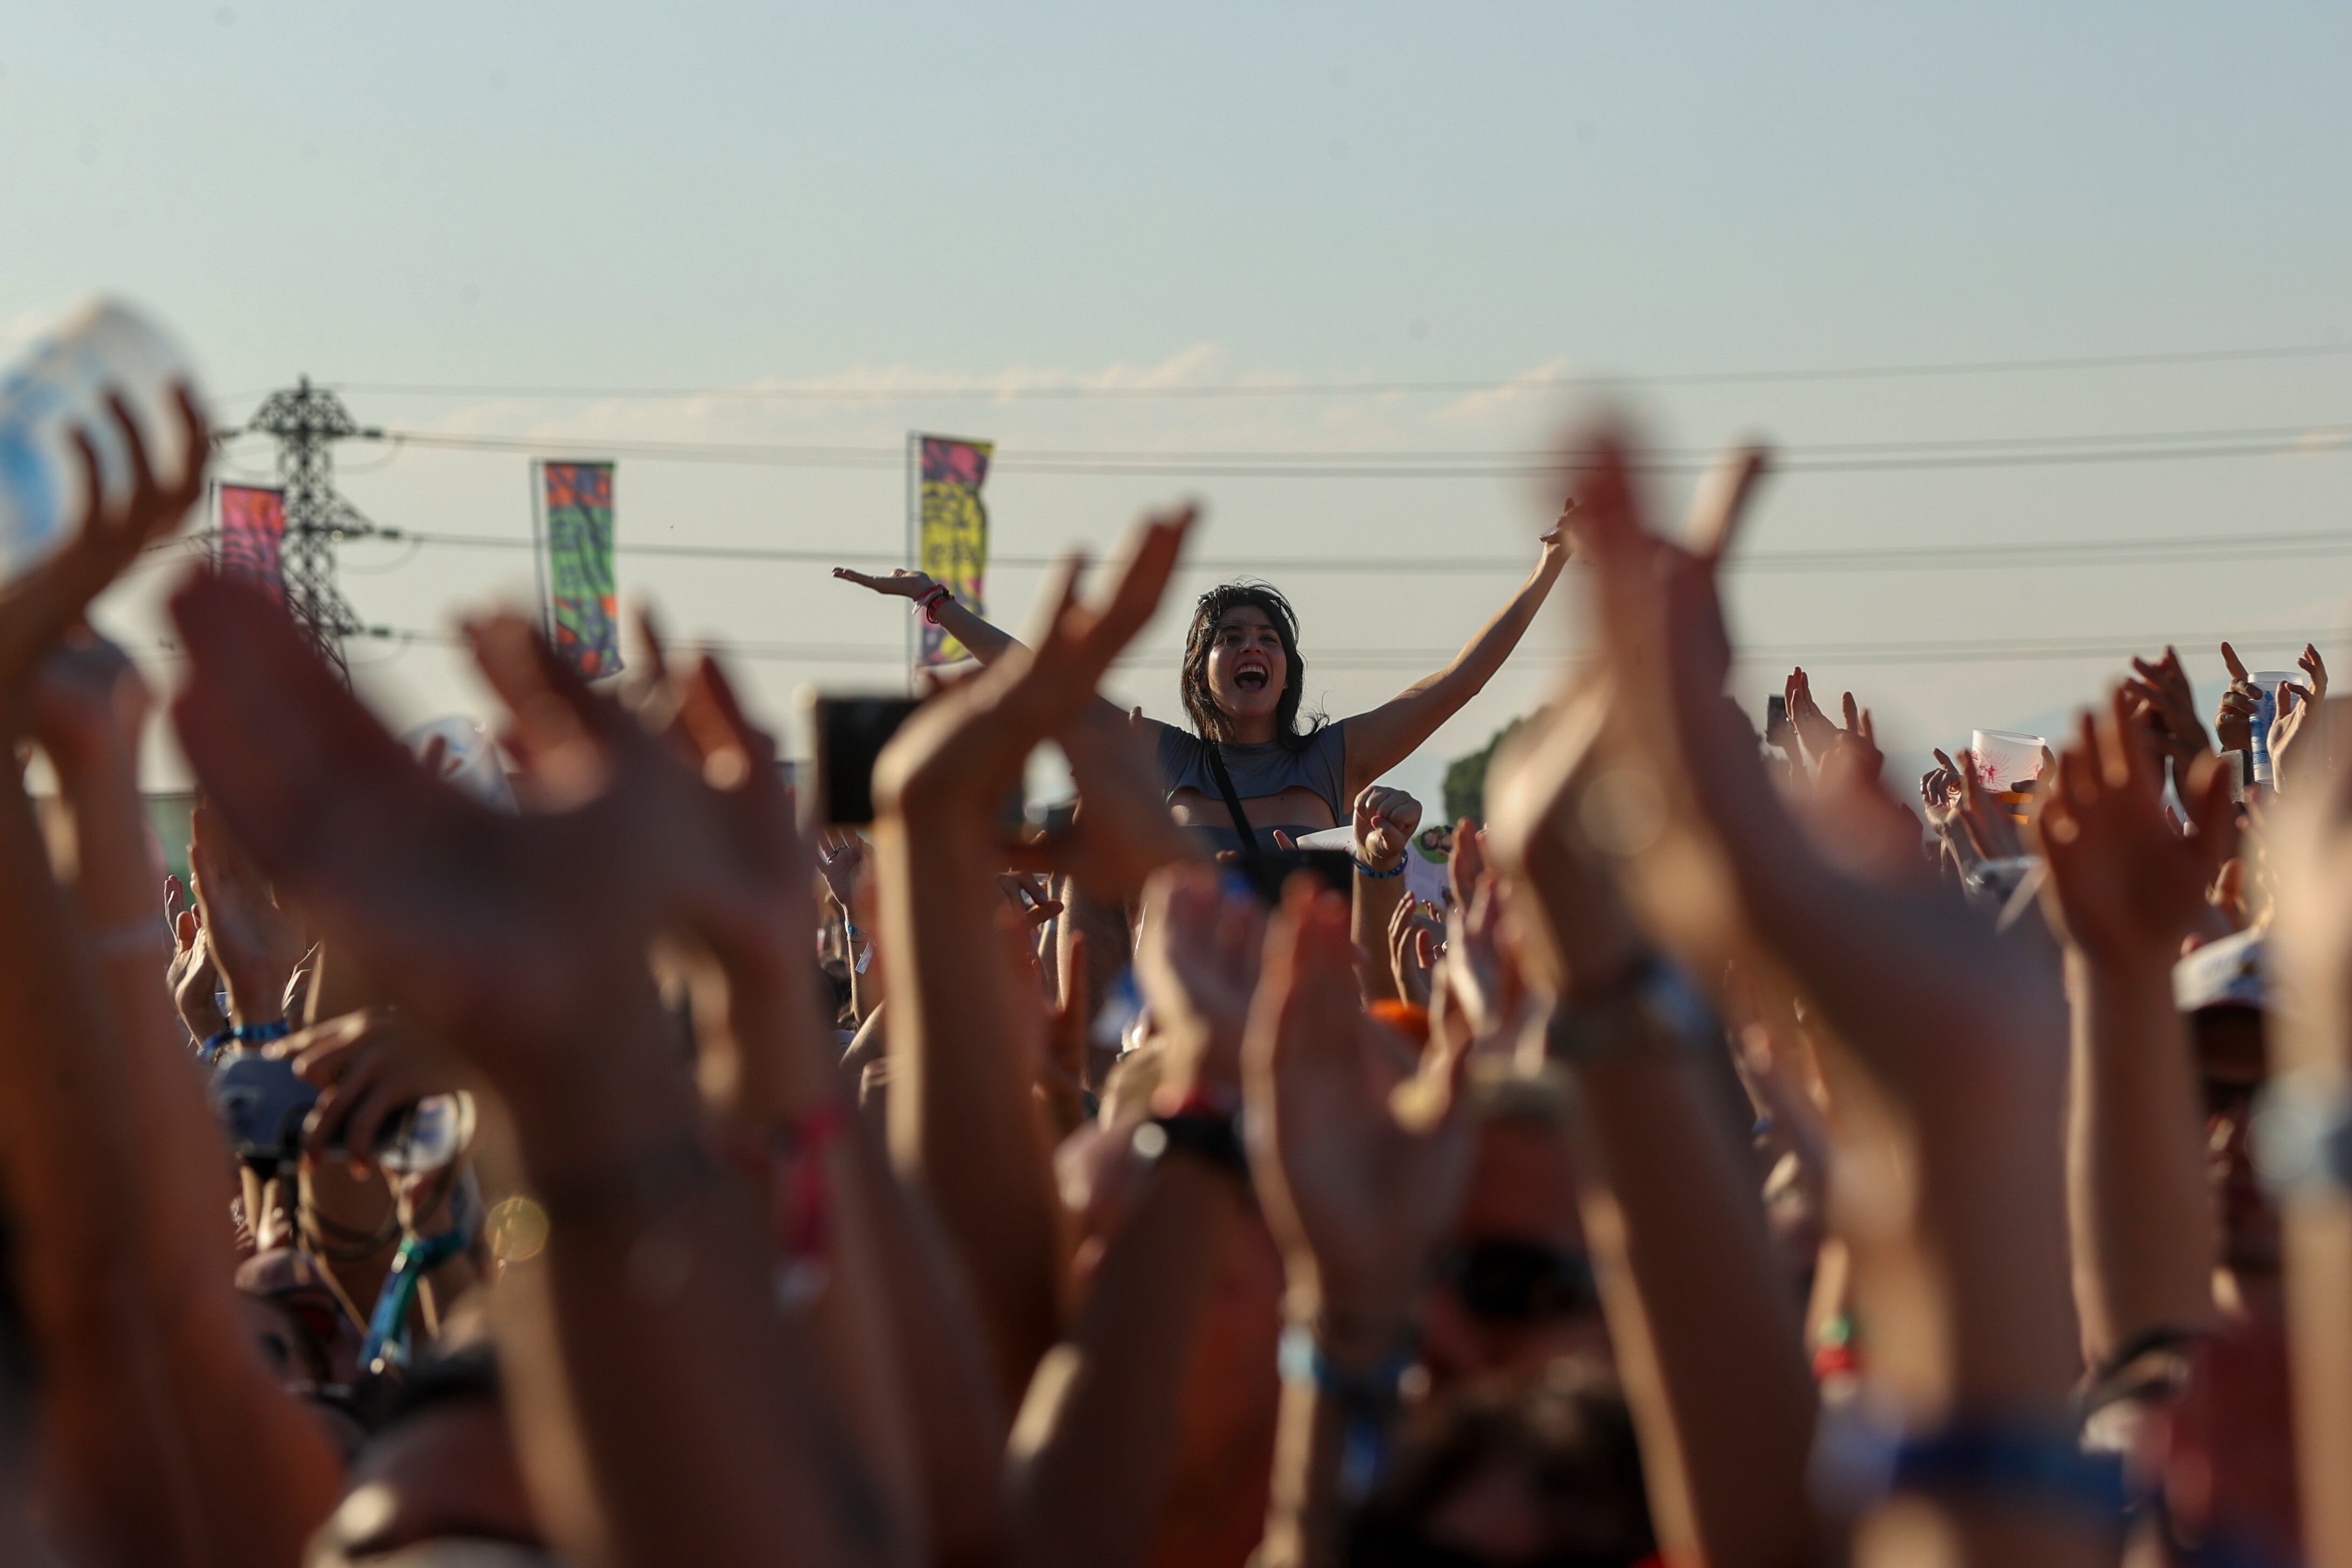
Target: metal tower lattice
308,421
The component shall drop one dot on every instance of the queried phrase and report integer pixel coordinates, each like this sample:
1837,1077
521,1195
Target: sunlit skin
1247,672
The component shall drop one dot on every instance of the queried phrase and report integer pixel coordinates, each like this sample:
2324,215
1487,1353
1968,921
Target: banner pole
538,549
914,528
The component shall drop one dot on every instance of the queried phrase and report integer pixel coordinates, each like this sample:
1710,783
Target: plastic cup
59,385
2005,759
2267,715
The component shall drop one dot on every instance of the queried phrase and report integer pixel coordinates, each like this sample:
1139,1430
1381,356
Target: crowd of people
1749,1161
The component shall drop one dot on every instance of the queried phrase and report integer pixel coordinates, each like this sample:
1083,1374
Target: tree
1465,779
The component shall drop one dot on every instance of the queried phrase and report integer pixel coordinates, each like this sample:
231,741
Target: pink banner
253,535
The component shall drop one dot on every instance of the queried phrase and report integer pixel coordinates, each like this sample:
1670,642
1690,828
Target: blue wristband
1367,1402
2027,1466
1363,869
213,1044
260,1033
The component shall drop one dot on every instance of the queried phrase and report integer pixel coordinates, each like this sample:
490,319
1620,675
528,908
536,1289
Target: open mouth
1251,677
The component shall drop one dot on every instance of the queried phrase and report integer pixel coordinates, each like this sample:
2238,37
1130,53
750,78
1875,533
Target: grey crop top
1321,765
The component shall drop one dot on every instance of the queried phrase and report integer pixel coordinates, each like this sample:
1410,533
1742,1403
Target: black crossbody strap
1233,801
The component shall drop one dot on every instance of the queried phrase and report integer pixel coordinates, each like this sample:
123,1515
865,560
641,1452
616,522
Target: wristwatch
1651,1005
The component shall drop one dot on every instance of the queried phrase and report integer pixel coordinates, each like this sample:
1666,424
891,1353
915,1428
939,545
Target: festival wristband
1364,868
2028,1465
1367,1400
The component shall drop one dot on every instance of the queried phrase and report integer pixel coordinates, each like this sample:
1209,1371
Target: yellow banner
954,537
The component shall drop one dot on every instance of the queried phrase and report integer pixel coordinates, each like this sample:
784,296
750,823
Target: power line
1067,390
1847,458
2086,648
2185,549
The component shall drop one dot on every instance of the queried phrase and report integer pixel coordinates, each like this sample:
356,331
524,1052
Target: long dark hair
1211,721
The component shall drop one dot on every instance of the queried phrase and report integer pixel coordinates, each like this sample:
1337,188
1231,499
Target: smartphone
851,731
1776,715
1270,869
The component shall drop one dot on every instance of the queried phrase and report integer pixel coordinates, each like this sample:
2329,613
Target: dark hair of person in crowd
1208,718
1561,1441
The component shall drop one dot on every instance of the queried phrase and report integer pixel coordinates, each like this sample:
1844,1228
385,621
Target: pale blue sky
717,194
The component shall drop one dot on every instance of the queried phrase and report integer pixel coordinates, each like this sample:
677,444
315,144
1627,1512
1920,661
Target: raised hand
367,1066
2124,885
1576,933
901,583
1384,820
1197,959
840,857
1859,738
256,944
2303,718
36,609
1416,942
506,933
2233,720
1481,979
2163,684
1359,1157
1120,832
1939,793
954,759
1555,541
193,978
2315,688
1982,816
1815,728
1964,1029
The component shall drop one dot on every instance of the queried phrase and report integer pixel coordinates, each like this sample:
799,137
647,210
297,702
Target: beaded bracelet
1363,869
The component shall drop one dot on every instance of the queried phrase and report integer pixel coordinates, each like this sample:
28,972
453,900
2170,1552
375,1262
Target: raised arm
962,1121
1958,1032
986,643
1098,1440
1380,739
2124,889
662,1410
1706,1331
162,1439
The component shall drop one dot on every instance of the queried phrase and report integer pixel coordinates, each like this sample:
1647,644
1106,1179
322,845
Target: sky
870,196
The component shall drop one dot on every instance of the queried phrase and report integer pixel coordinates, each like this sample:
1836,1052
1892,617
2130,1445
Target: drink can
59,384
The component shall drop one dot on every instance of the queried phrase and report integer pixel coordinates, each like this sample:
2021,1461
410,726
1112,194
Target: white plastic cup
470,760
2266,714
2005,759
59,384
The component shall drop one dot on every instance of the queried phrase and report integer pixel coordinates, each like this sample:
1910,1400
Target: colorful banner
252,536
954,534
581,598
